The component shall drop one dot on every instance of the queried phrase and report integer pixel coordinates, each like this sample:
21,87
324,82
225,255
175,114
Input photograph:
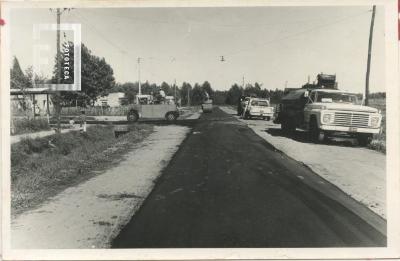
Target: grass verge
378,142
28,125
43,167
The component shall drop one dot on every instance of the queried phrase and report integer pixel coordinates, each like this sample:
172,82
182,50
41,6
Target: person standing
82,119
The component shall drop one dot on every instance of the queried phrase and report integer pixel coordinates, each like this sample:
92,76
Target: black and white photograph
200,130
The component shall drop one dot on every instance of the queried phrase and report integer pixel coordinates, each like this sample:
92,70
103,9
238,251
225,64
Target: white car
258,107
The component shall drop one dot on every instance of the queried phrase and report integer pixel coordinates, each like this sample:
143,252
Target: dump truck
207,106
323,110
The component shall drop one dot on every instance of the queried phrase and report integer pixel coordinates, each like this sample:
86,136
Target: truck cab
328,112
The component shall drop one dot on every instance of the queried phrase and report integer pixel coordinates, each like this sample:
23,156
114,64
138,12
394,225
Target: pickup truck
324,112
260,108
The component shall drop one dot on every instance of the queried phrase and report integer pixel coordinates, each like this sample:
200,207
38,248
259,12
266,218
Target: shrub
26,125
42,167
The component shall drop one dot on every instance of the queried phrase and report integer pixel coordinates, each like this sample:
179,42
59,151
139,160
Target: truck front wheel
315,134
287,126
364,139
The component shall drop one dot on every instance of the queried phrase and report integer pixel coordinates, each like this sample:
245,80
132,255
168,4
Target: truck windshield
336,97
259,103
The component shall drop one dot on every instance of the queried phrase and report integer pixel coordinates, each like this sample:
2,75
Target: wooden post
34,105
47,108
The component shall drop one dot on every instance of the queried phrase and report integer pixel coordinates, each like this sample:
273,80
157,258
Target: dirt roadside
90,214
343,166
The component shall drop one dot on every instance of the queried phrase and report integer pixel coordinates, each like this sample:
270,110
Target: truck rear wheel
132,116
287,126
170,116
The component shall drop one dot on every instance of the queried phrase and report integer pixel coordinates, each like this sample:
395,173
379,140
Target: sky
275,46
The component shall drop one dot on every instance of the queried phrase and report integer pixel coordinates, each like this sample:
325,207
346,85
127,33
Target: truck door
307,109
147,111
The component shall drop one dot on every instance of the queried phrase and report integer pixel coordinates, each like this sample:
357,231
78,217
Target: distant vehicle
325,111
242,104
144,109
207,106
258,107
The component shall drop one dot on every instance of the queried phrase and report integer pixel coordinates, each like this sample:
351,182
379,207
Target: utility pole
371,32
188,95
140,88
57,99
57,95
58,46
175,91
243,85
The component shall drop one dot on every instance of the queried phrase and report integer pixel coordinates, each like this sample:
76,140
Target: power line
189,55
297,34
244,49
193,22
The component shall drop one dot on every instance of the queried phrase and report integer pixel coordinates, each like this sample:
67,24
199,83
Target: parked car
260,108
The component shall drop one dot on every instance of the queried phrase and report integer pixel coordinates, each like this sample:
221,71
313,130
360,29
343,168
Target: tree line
97,79
186,93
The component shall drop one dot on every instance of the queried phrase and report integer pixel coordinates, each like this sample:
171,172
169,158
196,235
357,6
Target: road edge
347,201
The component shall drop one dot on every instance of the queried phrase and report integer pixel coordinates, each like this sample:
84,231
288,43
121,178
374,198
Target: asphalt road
227,187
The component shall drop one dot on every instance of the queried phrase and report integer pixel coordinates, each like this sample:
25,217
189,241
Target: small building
114,99
37,101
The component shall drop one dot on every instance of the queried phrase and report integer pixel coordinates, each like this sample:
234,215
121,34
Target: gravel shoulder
90,214
359,172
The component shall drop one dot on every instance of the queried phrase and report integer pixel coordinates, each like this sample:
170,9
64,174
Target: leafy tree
276,96
197,95
22,81
206,86
219,97
19,81
167,89
97,78
186,87
233,95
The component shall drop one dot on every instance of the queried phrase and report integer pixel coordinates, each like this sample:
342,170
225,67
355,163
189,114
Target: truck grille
349,119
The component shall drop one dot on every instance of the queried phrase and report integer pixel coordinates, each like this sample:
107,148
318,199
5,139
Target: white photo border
393,144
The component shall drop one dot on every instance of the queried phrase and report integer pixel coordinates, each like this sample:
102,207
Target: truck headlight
327,118
375,121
